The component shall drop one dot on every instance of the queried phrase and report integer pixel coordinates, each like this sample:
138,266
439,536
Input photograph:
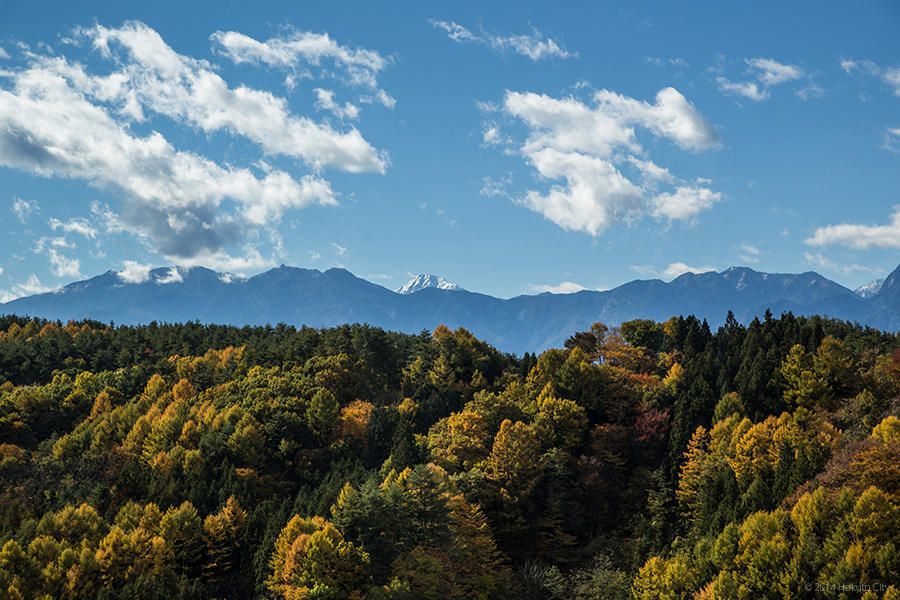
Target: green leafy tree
312,560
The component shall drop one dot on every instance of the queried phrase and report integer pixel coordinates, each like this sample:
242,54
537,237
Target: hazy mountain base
665,462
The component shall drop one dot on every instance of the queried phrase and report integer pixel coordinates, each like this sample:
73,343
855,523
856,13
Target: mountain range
529,323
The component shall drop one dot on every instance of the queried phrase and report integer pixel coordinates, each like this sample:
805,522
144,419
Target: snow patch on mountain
420,282
867,290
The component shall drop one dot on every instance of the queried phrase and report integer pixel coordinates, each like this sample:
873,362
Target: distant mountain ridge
524,323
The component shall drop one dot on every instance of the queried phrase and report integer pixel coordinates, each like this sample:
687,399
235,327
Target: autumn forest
647,461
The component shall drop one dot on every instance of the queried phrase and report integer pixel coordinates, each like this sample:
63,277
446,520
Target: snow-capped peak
867,290
420,282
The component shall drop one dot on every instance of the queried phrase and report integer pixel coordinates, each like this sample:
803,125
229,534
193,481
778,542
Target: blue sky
511,147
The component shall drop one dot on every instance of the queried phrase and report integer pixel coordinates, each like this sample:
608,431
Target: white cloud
30,287
491,136
663,62
1,270
491,187
568,124
134,272
3,53
325,101
303,47
341,251
771,72
231,277
384,98
159,79
22,208
849,65
823,262
220,260
891,139
595,194
650,170
585,147
566,287
747,89
684,203
671,116
810,91
750,254
62,266
58,120
890,76
172,196
173,276
380,97
860,236
532,45
820,261
80,226
767,73
645,270
679,268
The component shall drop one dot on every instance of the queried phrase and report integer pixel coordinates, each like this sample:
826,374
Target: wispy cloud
173,276
491,136
29,287
237,265
766,73
823,262
684,203
491,187
341,251
891,139
671,271
22,208
677,269
325,101
747,89
360,66
749,254
79,225
533,45
666,62
890,76
62,266
566,287
860,236
644,270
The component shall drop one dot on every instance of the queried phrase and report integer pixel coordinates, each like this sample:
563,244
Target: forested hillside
654,461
